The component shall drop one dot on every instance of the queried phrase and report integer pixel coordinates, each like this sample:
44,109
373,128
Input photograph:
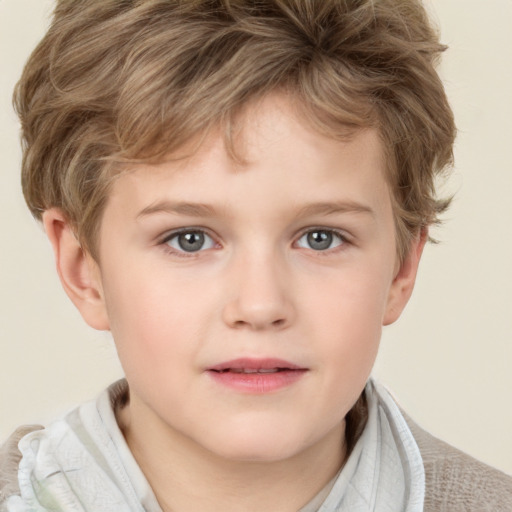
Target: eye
190,241
320,239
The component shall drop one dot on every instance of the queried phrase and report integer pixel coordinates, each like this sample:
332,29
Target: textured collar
384,471
82,463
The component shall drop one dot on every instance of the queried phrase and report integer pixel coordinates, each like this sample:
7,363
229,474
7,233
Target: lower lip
257,383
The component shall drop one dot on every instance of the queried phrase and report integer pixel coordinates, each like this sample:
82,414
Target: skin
257,288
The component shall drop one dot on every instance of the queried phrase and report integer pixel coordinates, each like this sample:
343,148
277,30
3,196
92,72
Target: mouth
251,370
255,365
257,376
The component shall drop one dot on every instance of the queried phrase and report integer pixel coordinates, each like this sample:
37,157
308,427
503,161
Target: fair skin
246,301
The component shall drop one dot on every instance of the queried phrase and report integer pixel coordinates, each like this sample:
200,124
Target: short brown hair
134,80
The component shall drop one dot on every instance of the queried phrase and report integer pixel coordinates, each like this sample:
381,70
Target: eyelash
183,253
343,240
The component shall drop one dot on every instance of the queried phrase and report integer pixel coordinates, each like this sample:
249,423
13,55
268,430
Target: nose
259,295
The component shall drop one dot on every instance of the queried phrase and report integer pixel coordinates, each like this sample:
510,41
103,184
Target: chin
258,444
256,454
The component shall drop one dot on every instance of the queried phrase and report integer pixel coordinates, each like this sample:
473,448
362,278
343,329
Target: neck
185,476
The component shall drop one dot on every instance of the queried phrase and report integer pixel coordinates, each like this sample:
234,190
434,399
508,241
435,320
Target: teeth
253,370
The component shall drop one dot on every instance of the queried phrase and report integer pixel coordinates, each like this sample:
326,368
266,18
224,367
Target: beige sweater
455,482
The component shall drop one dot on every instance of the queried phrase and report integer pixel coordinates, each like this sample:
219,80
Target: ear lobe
403,283
78,272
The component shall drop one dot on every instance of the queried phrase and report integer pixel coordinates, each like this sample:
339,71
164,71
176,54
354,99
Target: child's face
211,270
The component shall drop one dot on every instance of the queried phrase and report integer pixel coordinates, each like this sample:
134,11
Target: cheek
149,330
347,319
349,301
156,316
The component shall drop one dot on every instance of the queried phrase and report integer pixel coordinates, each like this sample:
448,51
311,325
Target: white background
448,360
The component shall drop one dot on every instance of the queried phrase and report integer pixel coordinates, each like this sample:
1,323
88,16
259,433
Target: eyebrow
205,210
331,208
178,208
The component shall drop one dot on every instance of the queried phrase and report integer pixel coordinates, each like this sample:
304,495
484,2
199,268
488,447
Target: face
246,300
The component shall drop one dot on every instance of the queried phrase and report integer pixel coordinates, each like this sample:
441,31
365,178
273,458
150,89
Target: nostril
239,324
258,313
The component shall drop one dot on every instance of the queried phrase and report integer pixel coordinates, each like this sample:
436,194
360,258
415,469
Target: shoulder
10,458
115,398
456,482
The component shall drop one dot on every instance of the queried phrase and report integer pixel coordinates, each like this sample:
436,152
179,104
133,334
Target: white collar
82,463
384,471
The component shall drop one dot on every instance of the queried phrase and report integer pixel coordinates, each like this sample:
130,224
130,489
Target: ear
78,272
403,282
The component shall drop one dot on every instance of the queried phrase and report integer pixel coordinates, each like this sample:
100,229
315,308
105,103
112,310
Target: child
240,192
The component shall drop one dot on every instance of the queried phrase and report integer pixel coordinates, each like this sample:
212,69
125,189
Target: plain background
449,358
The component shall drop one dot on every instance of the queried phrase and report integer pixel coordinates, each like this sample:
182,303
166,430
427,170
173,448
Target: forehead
280,159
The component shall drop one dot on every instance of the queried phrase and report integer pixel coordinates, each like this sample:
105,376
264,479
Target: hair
117,81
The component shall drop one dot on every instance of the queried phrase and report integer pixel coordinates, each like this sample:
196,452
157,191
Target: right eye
190,241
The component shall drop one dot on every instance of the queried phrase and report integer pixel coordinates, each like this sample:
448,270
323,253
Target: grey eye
320,240
191,241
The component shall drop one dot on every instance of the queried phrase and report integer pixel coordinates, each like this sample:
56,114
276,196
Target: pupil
320,240
191,242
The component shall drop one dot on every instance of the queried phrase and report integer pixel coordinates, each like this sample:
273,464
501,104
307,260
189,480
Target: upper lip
246,363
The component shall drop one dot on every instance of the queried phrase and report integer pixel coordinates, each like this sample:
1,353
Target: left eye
320,240
190,241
